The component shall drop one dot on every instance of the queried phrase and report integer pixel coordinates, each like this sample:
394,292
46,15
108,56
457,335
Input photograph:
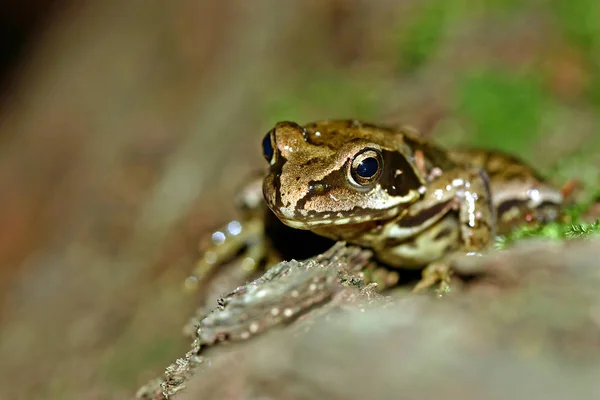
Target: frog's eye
267,146
366,167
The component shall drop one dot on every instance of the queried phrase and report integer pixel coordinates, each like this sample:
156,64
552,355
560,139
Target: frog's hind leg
519,194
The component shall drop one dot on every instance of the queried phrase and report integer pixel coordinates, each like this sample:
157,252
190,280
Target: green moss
583,230
502,110
572,227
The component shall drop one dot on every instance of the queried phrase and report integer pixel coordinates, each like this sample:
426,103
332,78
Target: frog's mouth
333,218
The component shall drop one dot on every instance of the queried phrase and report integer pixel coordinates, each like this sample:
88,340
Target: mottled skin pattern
425,202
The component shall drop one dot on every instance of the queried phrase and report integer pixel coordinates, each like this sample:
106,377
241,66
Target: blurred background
126,127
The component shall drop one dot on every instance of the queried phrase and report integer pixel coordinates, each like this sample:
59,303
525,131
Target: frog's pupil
267,147
367,167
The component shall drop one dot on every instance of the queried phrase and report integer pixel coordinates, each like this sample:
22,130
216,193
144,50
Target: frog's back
497,164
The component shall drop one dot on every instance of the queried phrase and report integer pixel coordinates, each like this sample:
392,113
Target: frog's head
337,173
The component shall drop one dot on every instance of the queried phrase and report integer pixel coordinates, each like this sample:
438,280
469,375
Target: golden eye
366,167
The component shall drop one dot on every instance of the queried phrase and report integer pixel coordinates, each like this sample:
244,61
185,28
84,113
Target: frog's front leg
243,239
466,194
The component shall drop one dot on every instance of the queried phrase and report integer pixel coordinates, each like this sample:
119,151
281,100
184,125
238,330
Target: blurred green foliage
324,95
419,39
579,22
503,109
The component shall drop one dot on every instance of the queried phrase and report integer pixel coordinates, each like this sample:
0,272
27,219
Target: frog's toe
435,273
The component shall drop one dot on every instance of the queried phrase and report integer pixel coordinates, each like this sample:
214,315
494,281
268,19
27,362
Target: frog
415,204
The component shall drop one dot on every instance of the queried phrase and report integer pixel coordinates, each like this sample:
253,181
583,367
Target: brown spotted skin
422,203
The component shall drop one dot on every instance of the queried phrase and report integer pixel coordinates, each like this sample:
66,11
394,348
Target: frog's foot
383,277
437,273
238,240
